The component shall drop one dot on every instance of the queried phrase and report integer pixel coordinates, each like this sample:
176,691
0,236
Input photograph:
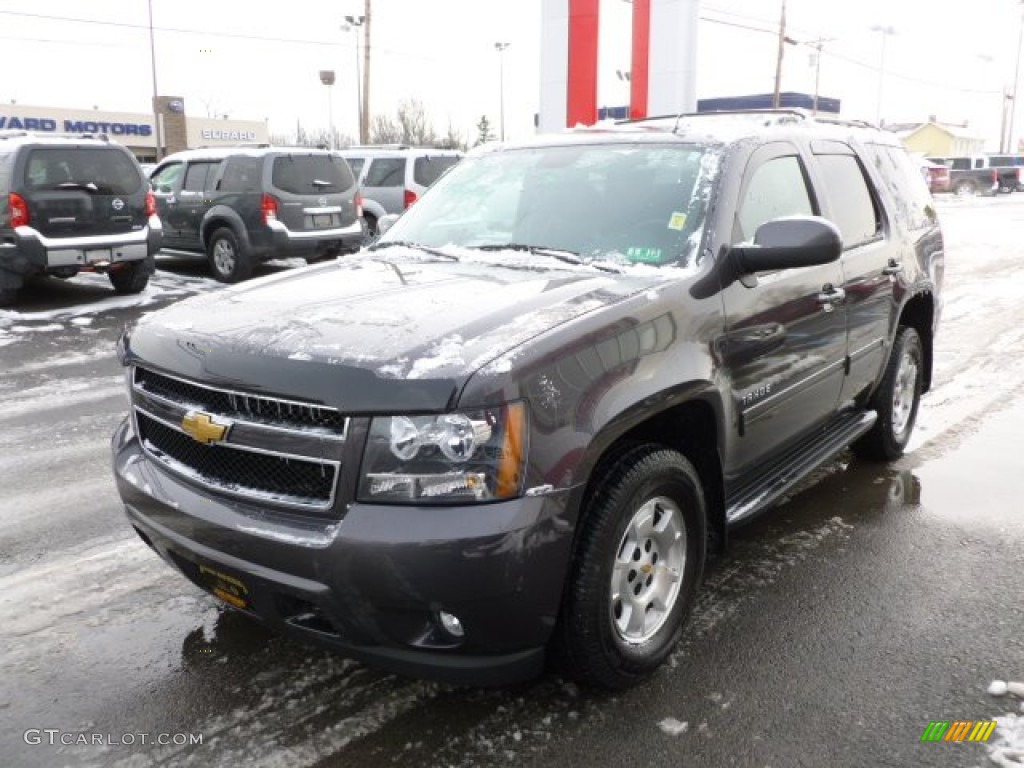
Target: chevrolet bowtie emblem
203,429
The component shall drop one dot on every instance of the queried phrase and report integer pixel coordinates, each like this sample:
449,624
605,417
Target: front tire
896,400
637,565
228,260
965,189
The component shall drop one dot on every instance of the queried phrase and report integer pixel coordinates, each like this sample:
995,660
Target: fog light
451,624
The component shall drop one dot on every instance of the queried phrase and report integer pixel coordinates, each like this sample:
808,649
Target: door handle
894,268
831,295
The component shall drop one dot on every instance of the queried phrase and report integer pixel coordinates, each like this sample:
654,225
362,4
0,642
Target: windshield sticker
677,221
644,255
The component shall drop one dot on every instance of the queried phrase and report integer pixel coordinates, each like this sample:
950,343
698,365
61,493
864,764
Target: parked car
392,178
516,428
244,205
972,175
70,204
936,175
1011,170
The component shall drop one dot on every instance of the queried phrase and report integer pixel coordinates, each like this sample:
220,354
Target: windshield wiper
415,246
322,183
562,254
91,185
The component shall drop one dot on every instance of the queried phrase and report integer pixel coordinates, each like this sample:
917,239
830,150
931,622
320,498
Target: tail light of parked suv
17,209
359,205
410,197
268,208
150,205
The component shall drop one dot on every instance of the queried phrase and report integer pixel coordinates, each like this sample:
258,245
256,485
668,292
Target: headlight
466,456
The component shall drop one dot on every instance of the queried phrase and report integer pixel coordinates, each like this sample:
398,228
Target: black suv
244,205
71,204
523,418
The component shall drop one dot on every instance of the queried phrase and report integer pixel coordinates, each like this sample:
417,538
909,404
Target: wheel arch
919,314
693,427
222,216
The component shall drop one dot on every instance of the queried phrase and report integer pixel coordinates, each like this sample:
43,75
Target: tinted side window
386,172
960,163
777,188
107,171
356,164
311,174
165,178
853,208
196,176
241,174
427,170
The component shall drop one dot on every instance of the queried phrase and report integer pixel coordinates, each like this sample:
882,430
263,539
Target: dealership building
138,130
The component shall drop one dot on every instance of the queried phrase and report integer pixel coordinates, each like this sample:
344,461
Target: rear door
384,183
78,190
873,255
314,191
784,340
194,200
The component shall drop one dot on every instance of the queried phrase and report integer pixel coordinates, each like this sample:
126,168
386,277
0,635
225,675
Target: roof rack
782,115
379,146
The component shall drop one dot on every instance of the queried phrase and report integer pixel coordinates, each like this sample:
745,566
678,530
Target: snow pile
1006,749
673,727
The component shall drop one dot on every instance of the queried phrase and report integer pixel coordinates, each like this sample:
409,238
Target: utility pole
1016,83
500,48
778,60
818,45
886,31
156,110
353,24
364,120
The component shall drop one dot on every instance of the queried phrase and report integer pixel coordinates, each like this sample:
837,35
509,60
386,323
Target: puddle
980,482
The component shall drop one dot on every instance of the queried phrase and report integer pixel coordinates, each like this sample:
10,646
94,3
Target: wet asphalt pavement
829,634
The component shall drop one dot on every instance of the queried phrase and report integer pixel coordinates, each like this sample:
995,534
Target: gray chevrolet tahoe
513,429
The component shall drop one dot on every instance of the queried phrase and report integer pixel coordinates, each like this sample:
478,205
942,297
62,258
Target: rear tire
896,400
133,277
229,262
8,297
371,228
965,189
638,562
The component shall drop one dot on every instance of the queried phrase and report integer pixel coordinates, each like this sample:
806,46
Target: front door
784,343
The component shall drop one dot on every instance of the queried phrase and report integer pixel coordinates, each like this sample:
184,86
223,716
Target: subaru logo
322,202
117,203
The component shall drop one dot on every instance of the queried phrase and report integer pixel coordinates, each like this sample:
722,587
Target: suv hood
368,334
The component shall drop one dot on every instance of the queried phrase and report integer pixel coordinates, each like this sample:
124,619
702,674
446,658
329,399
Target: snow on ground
1006,747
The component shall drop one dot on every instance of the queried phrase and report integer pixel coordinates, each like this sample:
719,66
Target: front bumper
371,584
31,251
286,242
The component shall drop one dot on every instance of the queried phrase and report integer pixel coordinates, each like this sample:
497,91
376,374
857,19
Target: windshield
639,203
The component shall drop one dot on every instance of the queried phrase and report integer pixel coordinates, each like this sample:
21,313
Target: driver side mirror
788,243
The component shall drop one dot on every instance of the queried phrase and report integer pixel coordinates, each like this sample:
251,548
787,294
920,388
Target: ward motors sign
49,124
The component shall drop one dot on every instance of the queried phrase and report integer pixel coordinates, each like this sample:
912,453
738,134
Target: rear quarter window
427,170
311,174
107,171
386,172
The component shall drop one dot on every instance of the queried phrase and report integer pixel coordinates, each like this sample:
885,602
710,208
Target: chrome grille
275,451
255,408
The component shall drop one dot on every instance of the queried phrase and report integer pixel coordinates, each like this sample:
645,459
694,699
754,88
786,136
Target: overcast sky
255,60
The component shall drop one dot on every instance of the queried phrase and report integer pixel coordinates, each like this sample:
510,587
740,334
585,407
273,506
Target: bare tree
452,140
416,130
385,130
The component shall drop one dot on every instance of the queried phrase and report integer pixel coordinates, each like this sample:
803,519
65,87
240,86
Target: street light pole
156,112
353,24
885,31
1016,83
776,97
500,48
327,78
